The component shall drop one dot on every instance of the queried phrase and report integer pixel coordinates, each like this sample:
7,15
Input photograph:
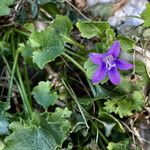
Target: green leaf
4,106
126,43
119,106
4,48
128,98
62,25
145,15
87,101
60,116
42,2
47,135
103,46
34,138
43,95
146,33
103,10
52,8
90,68
4,7
2,146
29,26
125,87
108,127
48,46
27,53
90,29
122,145
3,125
141,72
128,85
16,126
124,106
107,117
138,100
110,34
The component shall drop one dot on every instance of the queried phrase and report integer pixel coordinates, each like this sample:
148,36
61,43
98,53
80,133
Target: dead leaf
144,55
80,4
118,5
147,63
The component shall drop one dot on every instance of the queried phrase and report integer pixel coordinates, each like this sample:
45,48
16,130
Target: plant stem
101,134
25,99
12,77
22,32
69,40
74,54
10,72
91,87
27,83
82,69
74,62
67,1
72,94
91,119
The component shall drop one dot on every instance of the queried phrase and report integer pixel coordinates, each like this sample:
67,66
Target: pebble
94,2
126,14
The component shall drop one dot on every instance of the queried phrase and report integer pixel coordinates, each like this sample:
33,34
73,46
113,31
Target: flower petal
123,65
96,58
114,76
99,73
114,50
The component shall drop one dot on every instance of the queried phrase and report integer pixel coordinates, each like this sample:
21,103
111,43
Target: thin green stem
74,54
74,62
10,72
72,94
25,99
99,121
69,40
27,83
79,106
19,88
101,134
91,86
12,77
22,32
82,69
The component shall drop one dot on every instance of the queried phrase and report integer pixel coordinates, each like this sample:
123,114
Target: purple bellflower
109,63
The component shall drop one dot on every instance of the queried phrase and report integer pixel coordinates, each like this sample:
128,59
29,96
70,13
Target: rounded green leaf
48,46
4,7
43,95
62,25
91,29
146,16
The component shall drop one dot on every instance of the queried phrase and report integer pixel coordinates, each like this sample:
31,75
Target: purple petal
123,65
114,76
96,58
114,50
99,73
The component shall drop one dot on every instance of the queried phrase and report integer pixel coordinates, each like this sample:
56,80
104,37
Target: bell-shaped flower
109,63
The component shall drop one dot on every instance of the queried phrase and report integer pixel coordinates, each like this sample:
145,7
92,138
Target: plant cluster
49,99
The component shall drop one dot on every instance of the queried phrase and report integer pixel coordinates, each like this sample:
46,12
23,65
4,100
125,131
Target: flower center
109,60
